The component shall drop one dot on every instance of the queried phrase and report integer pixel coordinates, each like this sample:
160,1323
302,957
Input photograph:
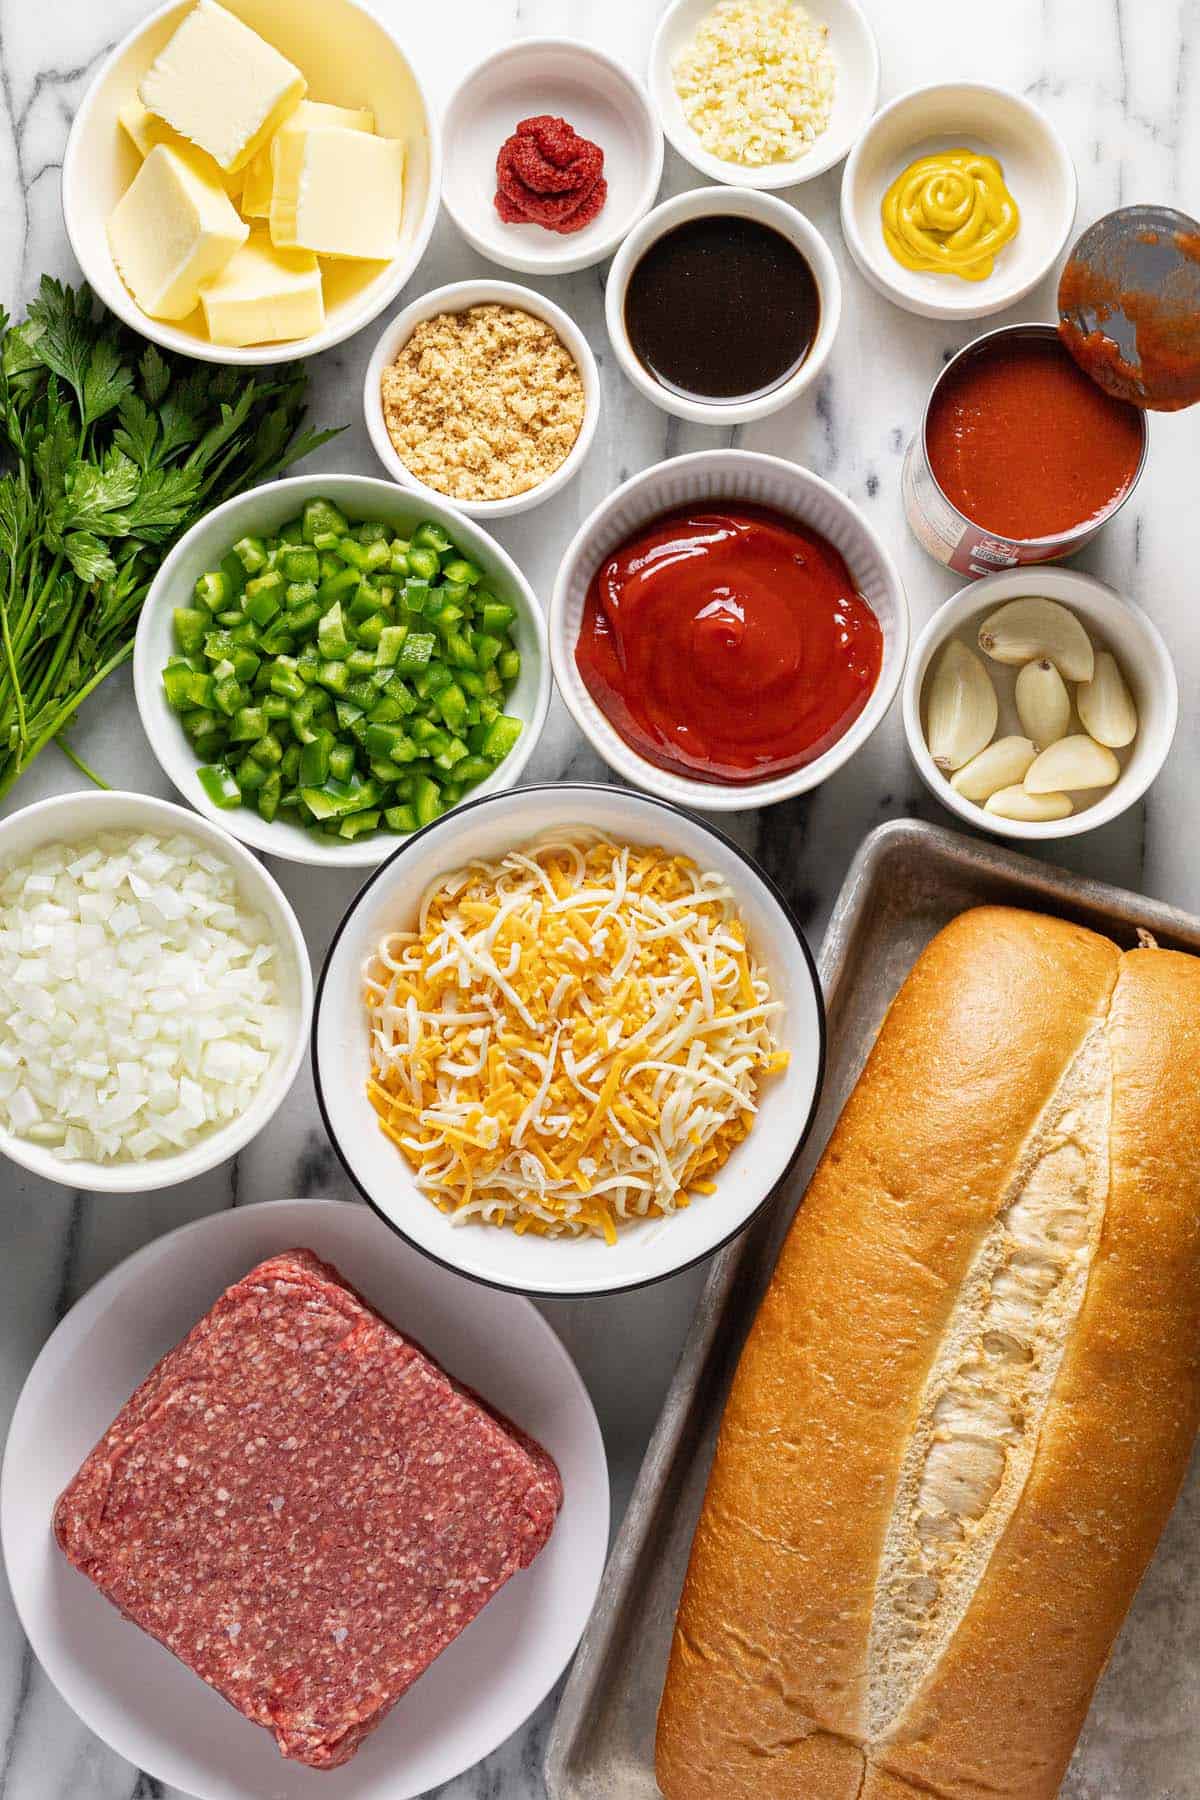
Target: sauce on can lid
722,308
1131,318
728,643
1024,444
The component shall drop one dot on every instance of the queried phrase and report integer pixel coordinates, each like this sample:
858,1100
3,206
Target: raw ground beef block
305,1508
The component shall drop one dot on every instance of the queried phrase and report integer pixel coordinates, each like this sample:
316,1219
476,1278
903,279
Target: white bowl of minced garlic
482,393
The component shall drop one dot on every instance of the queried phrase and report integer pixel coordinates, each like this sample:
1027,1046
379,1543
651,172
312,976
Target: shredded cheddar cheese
572,1038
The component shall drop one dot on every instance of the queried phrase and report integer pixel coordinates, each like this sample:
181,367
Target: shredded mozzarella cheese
757,82
572,1038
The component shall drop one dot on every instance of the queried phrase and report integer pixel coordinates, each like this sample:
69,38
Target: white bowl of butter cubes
206,174
157,991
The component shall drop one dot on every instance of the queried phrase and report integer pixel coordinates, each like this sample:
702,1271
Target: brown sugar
483,404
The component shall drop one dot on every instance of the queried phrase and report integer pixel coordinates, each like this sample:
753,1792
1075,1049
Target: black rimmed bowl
646,1251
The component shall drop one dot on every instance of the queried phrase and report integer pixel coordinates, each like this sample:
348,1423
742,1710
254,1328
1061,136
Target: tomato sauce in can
1021,457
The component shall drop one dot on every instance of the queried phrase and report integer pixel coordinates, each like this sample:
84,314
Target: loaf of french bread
966,1405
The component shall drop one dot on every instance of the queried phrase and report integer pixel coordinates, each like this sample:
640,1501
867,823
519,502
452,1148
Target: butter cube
338,192
256,195
173,228
264,295
220,85
145,129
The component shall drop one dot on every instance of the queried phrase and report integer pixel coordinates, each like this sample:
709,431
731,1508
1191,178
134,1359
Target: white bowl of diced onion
646,1249
177,924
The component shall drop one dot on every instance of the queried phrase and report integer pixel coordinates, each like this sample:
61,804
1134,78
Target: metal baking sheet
1142,1738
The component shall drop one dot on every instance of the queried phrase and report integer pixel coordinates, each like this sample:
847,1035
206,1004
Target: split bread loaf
965,1408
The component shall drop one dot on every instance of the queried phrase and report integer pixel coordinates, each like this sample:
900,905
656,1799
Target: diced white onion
143,1002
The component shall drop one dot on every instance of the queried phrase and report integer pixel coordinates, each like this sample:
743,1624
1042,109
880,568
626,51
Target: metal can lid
1129,306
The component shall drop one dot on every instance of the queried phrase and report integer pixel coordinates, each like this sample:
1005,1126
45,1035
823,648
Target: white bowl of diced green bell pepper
319,656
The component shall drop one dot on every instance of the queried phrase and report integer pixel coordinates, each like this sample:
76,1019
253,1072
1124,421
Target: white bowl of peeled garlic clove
1039,703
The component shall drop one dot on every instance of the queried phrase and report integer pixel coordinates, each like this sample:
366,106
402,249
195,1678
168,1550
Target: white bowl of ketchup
763,638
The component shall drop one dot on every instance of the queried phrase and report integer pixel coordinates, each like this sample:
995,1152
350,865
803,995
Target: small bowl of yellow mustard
958,199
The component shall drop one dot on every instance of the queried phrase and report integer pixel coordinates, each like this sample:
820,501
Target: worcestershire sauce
722,308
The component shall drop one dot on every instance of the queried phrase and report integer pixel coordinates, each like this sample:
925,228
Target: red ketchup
728,644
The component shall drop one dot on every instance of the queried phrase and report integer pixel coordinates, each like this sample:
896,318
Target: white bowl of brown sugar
482,393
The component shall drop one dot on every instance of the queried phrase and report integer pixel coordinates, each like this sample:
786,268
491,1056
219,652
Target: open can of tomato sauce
1021,457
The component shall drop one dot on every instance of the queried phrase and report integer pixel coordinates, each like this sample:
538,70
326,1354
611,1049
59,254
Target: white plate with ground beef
134,1693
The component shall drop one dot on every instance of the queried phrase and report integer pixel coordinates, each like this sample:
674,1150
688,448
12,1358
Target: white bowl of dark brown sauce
722,305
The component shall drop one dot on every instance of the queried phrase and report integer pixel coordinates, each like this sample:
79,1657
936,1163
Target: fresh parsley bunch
115,450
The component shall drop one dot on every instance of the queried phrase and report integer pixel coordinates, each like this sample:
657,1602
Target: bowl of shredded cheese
764,93
569,1044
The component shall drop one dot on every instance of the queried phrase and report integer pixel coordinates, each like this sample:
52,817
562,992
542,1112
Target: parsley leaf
136,433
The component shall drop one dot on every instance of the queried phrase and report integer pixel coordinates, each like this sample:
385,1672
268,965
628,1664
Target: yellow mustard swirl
950,213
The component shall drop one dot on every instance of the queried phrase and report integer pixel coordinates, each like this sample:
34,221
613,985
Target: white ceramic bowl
597,96
702,203
456,297
265,509
564,1267
350,59
1037,169
857,57
139,1698
76,818
1114,623
749,478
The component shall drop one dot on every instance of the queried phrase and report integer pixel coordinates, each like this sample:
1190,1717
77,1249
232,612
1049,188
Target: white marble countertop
1122,81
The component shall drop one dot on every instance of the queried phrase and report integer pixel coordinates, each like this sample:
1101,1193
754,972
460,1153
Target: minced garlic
757,81
483,404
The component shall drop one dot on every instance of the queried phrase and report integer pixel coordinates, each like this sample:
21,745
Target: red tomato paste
1024,444
728,643
546,174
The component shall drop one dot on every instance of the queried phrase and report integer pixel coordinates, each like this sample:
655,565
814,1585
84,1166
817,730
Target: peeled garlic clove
1034,809
1106,705
1072,763
963,708
1028,630
1043,703
999,766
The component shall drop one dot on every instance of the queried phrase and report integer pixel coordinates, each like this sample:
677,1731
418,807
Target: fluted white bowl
748,478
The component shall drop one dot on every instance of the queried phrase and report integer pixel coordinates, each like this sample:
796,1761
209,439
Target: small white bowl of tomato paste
553,153
727,629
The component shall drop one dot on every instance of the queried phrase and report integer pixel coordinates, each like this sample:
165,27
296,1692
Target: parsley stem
72,756
63,715
10,659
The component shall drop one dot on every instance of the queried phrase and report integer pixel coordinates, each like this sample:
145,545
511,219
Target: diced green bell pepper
502,734
219,784
332,641
321,516
191,628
